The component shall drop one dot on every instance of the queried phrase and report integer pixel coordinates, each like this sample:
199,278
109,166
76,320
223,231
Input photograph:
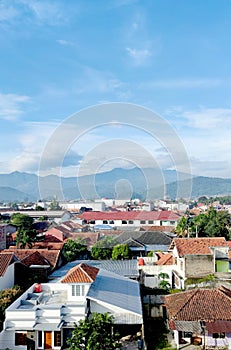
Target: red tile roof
218,327
81,273
158,228
129,215
187,246
50,255
200,304
35,258
166,259
5,260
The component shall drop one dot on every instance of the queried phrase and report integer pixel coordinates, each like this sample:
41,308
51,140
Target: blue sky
169,56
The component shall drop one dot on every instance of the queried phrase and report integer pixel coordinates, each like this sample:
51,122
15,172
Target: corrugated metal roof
127,268
118,291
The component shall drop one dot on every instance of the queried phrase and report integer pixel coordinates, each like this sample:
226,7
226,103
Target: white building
44,316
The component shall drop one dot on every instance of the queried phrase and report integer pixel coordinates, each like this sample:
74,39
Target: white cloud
139,56
204,118
11,106
49,12
65,42
7,11
182,83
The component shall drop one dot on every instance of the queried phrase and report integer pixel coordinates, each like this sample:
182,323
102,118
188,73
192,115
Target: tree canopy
95,333
74,249
21,220
102,250
120,252
213,223
26,234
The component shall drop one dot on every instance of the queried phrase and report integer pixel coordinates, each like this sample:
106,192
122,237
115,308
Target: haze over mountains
117,183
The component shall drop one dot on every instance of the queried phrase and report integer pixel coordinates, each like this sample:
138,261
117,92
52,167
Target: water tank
38,288
141,262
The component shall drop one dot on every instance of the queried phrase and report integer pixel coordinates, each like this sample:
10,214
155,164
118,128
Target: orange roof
35,258
81,273
5,260
200,304
186,246
50,255
166,259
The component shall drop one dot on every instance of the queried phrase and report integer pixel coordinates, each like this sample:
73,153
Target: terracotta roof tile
81,273
35,258
199,304
5,260
50,255
187,246
166,259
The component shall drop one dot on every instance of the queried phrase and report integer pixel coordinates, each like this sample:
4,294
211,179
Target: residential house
130,219
198,257
201,317
141,243
45,315
7,270
35,262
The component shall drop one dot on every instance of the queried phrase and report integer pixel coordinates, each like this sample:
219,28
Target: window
142,222
20,338
105,222
77,290
57,338
124,222
187,334
92,222
218,335
150,221
111,222
40,339
130,221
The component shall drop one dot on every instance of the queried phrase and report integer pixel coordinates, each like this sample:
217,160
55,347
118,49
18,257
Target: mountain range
117,183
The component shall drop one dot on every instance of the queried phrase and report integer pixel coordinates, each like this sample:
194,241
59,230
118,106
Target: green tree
95,333
26,234
182,227
214,223
120,252
102,250
54,205
21,220
25,238
74,249
7,297
163,283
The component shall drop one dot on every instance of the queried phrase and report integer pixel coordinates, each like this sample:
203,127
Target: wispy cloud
48,12
7,11
65,42
139,56
204,118
11,106
186,83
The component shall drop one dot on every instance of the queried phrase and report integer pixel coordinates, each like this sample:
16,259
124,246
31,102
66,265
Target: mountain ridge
22,186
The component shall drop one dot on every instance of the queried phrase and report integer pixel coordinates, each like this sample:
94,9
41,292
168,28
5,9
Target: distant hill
18,186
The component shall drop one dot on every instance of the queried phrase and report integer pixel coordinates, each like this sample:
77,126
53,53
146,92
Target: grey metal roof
127,268
188,326
145,237
122,292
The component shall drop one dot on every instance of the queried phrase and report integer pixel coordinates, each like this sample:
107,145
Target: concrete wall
199,265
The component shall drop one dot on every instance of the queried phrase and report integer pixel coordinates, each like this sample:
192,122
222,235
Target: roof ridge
194,292
81,266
